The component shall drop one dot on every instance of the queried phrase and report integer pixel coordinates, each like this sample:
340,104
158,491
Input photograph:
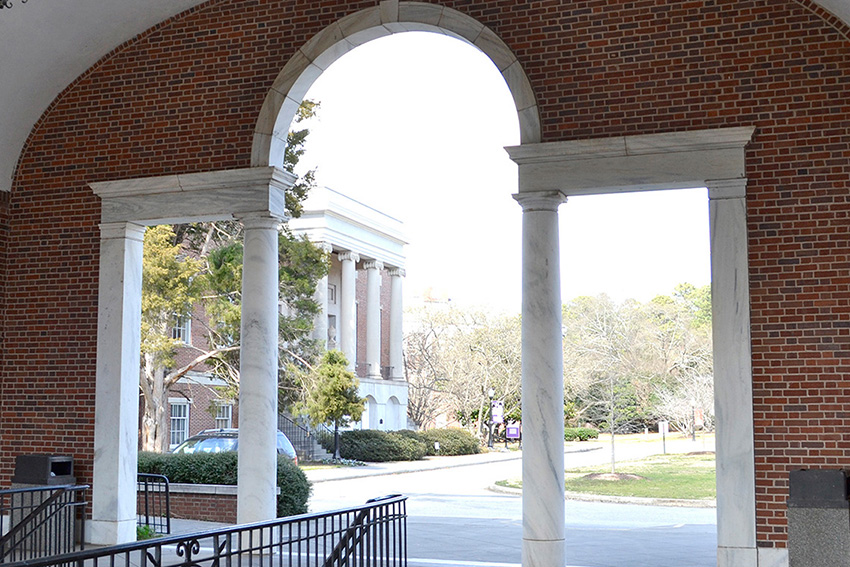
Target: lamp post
491,392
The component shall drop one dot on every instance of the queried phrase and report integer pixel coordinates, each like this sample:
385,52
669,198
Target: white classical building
361,298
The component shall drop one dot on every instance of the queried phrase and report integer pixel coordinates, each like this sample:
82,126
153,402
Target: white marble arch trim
389,17
213,195
127,206
706,158
648,162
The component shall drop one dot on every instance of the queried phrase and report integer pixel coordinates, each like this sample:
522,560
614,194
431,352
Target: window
179,421
331,294
182,330
223,415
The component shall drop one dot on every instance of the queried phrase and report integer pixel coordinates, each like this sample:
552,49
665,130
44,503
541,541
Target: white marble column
373,317
733,392
396,330
320,322
348,307
116,419
256,489
542,383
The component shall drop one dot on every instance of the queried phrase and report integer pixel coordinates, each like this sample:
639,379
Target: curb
359,472
582,497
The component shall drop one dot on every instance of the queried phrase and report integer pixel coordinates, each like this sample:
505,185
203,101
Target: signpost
663,428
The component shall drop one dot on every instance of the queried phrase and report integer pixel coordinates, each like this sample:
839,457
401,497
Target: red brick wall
361,367
207,507
185,96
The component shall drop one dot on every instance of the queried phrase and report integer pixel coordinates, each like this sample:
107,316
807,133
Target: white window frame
182,329
178,435
223,421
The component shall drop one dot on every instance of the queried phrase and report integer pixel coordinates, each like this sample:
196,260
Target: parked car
218,440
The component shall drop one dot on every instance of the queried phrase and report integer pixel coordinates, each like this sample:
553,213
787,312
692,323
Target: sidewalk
426,464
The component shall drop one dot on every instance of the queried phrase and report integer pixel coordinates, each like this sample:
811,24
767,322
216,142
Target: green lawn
690,477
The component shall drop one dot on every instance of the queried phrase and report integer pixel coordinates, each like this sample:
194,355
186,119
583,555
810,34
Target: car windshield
207,445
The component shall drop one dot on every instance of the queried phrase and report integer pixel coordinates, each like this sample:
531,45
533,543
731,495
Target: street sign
512,432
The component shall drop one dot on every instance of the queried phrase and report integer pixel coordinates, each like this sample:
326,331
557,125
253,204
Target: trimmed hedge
372,445
452,441
375,446
580,434
221,468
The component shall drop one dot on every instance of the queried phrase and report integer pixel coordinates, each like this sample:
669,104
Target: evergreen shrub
375,446
221,468
580,434
453,441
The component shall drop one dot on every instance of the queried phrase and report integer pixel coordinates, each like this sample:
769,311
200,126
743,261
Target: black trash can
818,519
43,470
42,521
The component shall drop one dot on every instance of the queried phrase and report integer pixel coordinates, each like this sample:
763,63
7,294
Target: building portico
361,303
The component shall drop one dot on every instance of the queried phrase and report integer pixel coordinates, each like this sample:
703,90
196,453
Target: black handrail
353,536
297,541
153,502
44,521
300,437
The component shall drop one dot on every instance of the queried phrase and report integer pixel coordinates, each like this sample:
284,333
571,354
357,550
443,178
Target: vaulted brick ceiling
44,45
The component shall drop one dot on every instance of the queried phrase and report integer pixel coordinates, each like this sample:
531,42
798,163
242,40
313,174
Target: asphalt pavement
457,518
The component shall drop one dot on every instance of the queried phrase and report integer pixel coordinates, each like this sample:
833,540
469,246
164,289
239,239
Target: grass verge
685,477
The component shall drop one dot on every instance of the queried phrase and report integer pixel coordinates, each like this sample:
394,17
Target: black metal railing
153,503
300,437
41,522
373,535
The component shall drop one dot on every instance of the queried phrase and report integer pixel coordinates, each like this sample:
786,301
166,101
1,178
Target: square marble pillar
117,385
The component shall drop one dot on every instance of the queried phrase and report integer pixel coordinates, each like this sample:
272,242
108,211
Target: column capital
396,272
373,265
325,247
348,255
540,200
132,231
727,188
260,220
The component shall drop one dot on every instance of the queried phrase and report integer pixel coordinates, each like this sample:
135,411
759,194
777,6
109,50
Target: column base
103,532
737,557
539,553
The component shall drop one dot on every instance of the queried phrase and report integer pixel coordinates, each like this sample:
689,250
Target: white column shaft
396,329
320,324
258,372
348,307
733,392
373,318
117,388
542,383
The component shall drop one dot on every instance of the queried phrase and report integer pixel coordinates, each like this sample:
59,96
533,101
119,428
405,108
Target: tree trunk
153,416
336,440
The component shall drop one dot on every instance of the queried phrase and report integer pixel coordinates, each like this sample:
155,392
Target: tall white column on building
542,383
348,307
733,391
320,323
116,418
373,317
396,331
258,367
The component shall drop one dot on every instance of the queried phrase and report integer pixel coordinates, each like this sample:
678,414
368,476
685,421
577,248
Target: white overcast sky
415,125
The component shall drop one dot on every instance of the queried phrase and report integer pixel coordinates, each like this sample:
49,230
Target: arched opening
549,173
394,414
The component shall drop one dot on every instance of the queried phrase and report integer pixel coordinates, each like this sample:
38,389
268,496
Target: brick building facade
201,91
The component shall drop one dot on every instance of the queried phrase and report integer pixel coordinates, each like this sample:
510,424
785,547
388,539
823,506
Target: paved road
454,519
